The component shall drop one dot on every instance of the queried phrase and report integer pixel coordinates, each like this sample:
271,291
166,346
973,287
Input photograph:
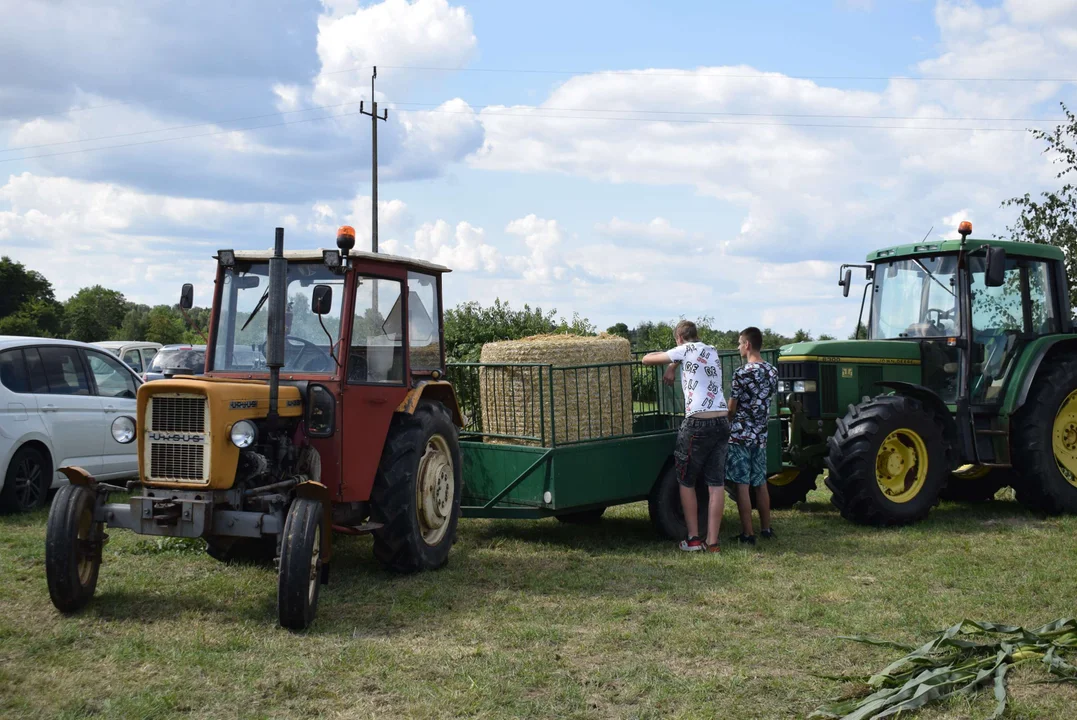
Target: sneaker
746,539
768,534
693,544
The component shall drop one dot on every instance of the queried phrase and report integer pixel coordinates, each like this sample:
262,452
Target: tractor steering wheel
291,341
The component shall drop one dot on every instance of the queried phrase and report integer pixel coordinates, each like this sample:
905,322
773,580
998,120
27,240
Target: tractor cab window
424,331
915,298
310,340
377,348
1003,317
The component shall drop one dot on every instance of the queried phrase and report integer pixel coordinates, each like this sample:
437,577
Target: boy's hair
686,330
754,338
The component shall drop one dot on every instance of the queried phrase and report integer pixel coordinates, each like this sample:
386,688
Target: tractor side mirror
321,301
846,282
995,273
187,296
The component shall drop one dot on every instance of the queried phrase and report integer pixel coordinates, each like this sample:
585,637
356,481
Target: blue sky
548,197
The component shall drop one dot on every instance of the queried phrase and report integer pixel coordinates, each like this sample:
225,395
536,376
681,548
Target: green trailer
573,444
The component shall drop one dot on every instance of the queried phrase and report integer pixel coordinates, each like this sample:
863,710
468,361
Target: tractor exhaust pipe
278,282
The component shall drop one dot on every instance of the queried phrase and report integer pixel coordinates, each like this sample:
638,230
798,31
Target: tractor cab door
1004,318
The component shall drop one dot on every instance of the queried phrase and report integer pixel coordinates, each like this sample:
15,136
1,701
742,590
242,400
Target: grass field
533,619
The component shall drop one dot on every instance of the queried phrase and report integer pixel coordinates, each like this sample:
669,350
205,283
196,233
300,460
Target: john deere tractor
322,412
965,383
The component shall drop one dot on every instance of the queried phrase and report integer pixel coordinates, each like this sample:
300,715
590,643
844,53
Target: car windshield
189,358
240,331
915,297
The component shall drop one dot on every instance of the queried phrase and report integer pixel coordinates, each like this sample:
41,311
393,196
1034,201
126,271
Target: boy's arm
732,403
656,358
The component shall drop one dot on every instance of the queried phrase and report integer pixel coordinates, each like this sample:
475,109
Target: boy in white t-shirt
702,441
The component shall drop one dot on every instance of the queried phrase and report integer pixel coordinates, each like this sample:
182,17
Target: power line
484,108
735,76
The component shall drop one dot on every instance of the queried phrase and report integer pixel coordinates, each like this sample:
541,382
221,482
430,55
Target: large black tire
1040,484
855,453
73,543
417,535
582,517
975,487
300,564
666,511
27,481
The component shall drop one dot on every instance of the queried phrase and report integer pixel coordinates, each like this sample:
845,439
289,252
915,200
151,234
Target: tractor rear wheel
1045,442
582,517
416,494
300,564
977,484
73,543
887,461
665,509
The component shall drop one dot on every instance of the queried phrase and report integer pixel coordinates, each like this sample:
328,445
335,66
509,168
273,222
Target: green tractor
966,383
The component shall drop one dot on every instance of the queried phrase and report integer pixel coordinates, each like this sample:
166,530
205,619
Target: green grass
532,619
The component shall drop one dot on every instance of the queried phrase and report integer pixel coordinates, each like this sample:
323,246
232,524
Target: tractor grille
177,462
176,439
179,414
828,388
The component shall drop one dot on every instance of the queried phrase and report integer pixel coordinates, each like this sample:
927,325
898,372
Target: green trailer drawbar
569,441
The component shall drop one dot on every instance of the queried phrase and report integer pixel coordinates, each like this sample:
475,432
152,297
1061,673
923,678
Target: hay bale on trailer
567,402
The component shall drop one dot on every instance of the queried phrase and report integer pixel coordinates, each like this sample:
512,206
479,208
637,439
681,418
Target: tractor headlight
123,429
804,386
784,387
244,433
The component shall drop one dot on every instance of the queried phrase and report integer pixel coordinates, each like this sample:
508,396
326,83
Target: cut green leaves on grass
961,660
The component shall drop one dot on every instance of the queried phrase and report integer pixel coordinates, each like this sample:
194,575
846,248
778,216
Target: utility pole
374,117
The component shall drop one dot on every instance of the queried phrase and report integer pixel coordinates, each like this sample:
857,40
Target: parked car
135,353
188,359
62,403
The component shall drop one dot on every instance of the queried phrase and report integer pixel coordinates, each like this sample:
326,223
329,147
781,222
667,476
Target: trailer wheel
976,484
665,509
300,564
887,461
416,494
1045,442
73,544
583,517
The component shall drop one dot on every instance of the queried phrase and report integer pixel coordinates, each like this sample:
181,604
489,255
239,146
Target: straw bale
573,403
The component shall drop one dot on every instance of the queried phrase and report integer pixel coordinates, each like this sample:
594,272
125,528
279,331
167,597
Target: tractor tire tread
1038,484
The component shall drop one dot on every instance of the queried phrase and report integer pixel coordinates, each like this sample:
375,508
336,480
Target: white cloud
655,230
463,248
544,262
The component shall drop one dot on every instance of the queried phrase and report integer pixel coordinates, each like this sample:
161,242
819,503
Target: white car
62,403
137,354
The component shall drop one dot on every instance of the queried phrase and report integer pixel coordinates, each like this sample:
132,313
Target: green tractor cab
967,382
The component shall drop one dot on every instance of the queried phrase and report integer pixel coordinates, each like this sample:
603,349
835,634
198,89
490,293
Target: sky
626,161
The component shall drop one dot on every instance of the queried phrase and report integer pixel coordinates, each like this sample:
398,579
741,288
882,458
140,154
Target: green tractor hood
884,352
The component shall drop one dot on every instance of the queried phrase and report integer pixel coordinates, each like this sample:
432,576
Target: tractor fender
312,490
930,399
440,390
77,476
1029,365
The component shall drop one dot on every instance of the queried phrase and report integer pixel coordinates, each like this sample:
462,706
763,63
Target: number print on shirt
699,364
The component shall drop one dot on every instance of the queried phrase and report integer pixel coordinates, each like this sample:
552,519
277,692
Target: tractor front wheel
1045,442
73,543
416,494
300,564
887,461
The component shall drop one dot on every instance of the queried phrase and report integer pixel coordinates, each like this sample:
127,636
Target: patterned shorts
701,450
747,464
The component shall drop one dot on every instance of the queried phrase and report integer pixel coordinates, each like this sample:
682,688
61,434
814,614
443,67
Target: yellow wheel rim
901,465
784,477
1064,438
435,490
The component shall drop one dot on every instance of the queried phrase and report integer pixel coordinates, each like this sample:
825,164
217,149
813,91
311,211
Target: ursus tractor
966,382
322,411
